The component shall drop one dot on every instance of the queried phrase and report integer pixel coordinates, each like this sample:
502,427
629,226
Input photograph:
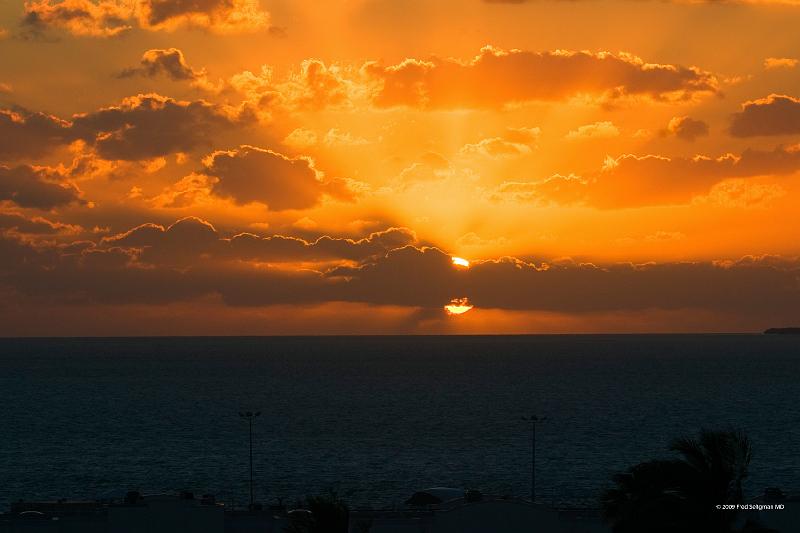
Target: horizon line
373,335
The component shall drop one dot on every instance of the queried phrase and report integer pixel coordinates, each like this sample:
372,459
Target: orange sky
276,166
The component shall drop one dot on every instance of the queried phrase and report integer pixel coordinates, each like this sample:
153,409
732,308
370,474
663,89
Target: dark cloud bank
151,264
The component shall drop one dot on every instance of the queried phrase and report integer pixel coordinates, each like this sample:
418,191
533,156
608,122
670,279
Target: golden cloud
597,130
773,63
110,18
496,77
686,128
514,142
636,181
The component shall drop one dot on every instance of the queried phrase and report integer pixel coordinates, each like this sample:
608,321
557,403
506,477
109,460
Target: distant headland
782,331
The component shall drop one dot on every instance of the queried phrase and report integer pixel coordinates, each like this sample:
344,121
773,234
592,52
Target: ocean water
377,418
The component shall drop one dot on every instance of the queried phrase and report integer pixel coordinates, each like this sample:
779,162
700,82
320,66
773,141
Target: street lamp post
533,419
249,415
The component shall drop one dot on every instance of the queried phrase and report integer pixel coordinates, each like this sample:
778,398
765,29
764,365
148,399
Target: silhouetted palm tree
682,495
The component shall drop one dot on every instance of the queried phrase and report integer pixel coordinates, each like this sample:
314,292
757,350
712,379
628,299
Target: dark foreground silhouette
699,490
688,493
319,514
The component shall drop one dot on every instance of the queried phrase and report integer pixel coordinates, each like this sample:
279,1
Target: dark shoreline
782,331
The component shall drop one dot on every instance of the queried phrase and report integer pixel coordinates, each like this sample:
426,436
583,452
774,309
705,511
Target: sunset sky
288,167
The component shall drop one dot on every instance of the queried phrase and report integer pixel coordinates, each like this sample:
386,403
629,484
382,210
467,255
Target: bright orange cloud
497,77
598,130
512,143
772,63
634,181
110,18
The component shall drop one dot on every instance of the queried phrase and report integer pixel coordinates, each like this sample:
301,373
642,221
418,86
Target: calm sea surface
377,418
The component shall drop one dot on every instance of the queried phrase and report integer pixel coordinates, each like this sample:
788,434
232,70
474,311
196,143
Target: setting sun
458,306
461,262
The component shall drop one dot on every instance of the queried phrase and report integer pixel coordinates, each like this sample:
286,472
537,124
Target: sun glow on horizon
460,262
458,306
